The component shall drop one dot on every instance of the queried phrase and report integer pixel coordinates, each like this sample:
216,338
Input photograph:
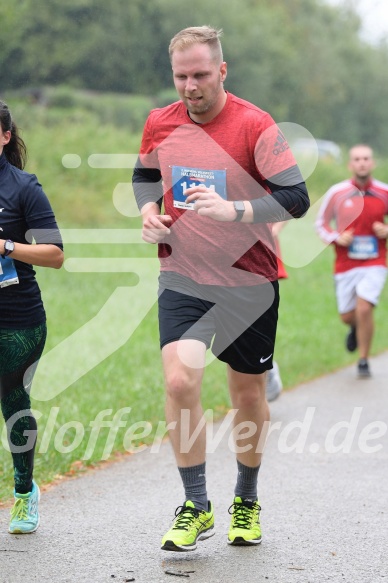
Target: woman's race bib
8,273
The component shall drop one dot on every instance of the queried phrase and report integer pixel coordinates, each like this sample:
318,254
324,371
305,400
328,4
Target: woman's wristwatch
9,246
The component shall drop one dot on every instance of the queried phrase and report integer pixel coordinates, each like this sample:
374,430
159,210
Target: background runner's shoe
351,339
363,371
245,525
189,526
274,383
25,512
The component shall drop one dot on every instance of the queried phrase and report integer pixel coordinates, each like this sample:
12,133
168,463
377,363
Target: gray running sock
246,486
194,483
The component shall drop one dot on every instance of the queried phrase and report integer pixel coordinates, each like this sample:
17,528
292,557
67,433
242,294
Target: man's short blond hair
198,35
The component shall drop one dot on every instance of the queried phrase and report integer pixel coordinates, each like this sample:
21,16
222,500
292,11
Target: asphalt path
323,489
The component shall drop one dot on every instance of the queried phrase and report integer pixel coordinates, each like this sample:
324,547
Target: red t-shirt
345,206
282,273
235,152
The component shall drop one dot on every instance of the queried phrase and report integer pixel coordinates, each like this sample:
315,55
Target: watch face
239,207
9,246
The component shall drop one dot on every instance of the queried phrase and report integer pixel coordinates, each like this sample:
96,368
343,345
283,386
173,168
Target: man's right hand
345,239
156,228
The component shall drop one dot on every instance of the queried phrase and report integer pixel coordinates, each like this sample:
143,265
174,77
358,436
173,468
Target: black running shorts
238,323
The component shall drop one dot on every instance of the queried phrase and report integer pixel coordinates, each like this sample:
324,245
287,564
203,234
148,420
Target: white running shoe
274,383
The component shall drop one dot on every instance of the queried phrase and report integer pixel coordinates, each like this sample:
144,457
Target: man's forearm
147,186
149,209
282,205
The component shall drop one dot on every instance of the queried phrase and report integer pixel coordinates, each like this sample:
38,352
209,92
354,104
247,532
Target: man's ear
223,71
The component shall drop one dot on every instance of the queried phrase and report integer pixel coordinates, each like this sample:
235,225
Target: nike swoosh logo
265,359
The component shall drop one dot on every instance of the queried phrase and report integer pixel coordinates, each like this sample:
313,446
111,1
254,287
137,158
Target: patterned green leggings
20,351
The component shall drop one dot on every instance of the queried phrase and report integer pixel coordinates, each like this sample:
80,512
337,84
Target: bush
53,105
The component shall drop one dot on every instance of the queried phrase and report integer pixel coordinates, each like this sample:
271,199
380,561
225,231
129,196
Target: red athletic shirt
349,206
236,151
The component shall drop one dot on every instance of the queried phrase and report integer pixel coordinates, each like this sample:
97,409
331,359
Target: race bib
184,178
363,247
8,274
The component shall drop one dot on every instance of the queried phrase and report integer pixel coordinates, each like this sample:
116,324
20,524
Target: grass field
102,361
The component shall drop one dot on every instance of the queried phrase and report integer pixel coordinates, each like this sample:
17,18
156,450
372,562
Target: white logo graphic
265,359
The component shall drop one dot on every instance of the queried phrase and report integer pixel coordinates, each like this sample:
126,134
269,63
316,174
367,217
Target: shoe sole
169,545
239,541
18,531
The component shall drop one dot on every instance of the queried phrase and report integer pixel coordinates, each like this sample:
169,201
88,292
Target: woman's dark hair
15,151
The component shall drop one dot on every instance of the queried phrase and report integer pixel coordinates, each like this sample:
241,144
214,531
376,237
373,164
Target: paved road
323,488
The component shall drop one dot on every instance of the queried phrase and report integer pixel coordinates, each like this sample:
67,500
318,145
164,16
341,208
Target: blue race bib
184,178
8,274
363,247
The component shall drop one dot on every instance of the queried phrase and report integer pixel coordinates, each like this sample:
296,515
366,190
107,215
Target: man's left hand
380,229
210,204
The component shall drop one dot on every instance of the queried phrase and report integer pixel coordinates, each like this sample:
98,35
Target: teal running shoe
245,525
189,526
25,513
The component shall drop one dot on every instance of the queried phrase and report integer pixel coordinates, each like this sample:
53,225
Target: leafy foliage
302,60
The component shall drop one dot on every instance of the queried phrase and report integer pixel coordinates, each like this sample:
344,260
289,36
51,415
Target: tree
301,60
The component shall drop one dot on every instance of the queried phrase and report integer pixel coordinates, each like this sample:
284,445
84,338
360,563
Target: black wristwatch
239,207
9,246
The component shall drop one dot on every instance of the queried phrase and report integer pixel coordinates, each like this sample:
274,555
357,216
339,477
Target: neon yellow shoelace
185,517
20,509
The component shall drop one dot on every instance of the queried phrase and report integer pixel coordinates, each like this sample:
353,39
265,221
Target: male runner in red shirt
223,172
352,219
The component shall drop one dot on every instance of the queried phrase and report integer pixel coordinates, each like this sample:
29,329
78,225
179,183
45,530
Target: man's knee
364,308
181,386
249,394
348,318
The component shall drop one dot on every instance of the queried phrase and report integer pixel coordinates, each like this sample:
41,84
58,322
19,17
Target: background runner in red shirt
352,219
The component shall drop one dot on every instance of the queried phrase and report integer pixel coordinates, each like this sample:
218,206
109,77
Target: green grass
310,339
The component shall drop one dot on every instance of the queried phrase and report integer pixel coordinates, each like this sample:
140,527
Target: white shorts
363,282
